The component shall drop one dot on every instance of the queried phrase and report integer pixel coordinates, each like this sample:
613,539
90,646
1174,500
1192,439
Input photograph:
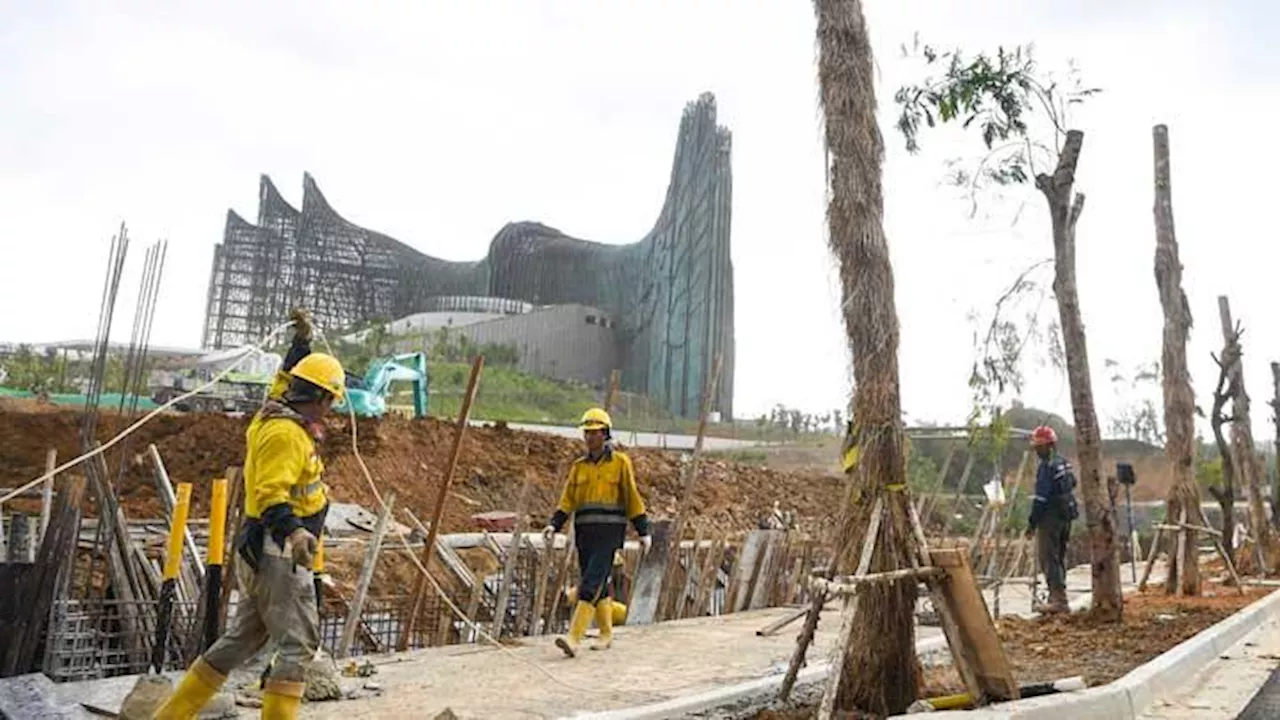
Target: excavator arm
371,400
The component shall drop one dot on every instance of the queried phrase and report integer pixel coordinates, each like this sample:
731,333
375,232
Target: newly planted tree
881,671
1023,120
1179,400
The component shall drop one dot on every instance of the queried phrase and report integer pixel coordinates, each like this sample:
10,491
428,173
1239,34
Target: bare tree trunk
1064,212
1225,495
1242,440
883,672
1179,400
1275,418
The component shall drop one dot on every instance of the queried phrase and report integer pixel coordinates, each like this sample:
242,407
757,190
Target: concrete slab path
534,680
1225,687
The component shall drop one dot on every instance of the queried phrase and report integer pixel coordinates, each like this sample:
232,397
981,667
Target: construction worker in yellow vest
285,502
601,495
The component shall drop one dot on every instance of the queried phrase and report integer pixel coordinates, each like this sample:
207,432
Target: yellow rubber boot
604,621
281,699
582,614
198,685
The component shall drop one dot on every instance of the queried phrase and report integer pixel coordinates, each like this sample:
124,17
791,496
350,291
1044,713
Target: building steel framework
672,291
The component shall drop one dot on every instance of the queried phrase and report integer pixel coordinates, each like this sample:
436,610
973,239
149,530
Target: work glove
646,543
303,546
549,535
301,324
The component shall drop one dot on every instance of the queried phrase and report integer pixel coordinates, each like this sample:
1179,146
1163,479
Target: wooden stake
847,622
615,378
464,417
540,590
366,577
1151,560
235,510
46,492
691,472
812,614
509,567
960,488
926,503
707,579
562,580
165,487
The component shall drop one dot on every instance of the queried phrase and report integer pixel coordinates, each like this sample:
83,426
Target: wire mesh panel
89,639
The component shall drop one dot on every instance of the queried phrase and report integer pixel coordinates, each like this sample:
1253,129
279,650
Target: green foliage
504,394
441,345
791,421
999,95
922,471
53,372
1209,472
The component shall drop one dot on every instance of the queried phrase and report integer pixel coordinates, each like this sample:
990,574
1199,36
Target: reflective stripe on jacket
602,491
282,466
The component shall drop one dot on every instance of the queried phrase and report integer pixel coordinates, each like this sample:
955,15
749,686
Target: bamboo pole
464,416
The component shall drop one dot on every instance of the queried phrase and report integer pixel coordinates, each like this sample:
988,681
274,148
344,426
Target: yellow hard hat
323,371
595,419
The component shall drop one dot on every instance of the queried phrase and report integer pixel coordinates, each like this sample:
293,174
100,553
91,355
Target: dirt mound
410,458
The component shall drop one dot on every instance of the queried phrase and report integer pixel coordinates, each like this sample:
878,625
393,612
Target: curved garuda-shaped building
670,294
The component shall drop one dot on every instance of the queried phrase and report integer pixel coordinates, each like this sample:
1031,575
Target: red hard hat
1044,435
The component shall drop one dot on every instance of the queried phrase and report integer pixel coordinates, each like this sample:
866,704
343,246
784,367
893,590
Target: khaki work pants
277,603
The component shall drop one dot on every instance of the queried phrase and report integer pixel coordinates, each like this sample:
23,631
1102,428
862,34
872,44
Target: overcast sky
438,122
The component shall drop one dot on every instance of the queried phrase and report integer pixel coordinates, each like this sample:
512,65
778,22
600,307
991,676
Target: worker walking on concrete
1053,509
284,510
601,495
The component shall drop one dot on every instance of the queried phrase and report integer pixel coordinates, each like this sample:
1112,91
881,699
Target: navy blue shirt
1055,484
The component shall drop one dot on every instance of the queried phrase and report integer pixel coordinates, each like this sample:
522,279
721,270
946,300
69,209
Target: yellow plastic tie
896,487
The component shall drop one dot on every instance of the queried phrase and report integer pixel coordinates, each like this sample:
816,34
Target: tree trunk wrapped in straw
883,672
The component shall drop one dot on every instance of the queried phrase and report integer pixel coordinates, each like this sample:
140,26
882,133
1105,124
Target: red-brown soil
408,457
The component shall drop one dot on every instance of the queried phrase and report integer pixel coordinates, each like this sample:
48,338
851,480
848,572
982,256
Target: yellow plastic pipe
218,522
317,566
173,552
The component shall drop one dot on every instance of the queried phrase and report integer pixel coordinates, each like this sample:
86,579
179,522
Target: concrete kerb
760,690
1127,697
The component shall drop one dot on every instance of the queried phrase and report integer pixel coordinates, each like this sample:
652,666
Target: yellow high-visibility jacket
602,491
282,464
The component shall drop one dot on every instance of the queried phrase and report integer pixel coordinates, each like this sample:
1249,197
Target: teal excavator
368,396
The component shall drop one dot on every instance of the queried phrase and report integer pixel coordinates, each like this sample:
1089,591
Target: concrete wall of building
565,342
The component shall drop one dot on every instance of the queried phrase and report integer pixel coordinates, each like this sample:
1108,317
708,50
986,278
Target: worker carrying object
285,502
601,495
1053,509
